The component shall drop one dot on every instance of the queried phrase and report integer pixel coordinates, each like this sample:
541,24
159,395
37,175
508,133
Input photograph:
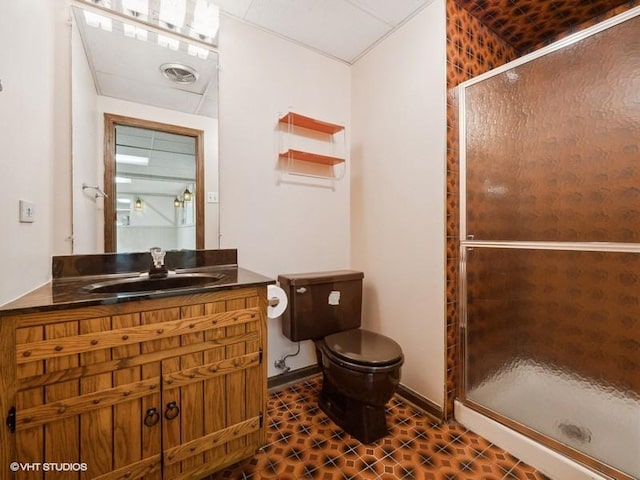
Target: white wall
86,150
278,227
157,223
27,122
398,193
61,175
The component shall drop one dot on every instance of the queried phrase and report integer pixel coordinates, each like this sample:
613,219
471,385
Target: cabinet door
85,413
213,398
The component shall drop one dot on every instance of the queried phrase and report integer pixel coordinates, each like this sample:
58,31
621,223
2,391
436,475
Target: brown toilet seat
363,347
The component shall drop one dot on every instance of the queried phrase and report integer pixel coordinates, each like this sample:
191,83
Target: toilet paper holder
274,301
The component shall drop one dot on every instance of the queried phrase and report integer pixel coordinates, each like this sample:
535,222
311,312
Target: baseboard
420,402
279,381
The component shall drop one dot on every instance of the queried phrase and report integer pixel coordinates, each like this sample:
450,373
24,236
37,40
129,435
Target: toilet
360,368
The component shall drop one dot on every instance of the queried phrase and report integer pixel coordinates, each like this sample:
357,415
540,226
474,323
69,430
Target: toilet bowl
360,368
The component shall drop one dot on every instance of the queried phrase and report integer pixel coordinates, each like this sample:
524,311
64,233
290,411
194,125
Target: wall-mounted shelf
298,120
293,121
311,157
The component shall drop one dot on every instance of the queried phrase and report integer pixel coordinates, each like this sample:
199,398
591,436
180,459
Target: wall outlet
212,197
27,212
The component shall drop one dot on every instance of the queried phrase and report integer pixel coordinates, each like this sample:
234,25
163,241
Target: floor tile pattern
304,443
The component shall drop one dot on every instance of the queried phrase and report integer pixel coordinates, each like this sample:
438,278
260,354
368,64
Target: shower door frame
467,242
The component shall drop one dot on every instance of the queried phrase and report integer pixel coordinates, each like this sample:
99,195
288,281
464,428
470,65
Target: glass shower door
550,240
552,343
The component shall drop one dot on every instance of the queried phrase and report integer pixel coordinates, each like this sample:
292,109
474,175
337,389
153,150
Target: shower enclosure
550,245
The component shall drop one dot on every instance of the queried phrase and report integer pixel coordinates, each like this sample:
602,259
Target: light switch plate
27,212
212,197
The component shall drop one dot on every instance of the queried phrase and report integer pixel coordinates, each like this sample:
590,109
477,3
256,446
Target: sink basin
146,284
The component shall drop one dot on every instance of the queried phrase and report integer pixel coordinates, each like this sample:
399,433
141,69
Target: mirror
162,78
153,183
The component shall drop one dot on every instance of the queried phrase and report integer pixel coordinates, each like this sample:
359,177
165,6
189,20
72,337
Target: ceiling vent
179,73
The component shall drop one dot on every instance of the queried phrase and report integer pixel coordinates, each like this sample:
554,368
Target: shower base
597,421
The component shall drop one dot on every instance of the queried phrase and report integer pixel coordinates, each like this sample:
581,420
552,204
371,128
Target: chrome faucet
158,269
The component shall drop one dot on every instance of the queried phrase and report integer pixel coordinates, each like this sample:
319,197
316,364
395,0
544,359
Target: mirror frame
110,123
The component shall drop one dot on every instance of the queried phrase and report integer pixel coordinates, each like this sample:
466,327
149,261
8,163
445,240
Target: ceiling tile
116,54
335,27
209,106
344,29
140,92
391,12
237,8
129,69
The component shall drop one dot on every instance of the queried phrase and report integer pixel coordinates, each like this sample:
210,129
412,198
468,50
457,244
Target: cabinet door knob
172,411
152,417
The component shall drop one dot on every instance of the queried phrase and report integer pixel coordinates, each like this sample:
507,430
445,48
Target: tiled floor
304,443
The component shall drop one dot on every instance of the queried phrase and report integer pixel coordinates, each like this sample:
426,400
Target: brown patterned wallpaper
528,24
473,48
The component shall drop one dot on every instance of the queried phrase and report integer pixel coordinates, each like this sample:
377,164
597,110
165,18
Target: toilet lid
364,347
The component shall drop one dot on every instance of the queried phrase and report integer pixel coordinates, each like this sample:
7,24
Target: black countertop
72,273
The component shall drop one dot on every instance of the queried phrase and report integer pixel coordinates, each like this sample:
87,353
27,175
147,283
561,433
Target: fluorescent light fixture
172,12
95,20
123,180
206,19
131,159
199,52
134,31
167,42
138,6
124,200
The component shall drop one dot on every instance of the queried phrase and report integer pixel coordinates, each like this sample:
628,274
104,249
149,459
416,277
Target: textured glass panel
553,342
553,146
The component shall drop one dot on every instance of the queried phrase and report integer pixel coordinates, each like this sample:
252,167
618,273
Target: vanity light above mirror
197,20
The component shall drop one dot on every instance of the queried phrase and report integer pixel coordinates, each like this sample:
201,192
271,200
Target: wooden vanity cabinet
171,388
